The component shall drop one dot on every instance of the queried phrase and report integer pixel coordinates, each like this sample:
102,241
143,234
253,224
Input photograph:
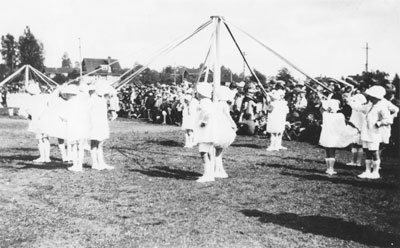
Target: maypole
217,67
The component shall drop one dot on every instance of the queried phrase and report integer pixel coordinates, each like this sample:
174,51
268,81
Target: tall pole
244,67
366,57
80,57
217,67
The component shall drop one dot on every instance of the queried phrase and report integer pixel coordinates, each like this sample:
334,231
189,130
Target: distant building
52,72
107,69
187,74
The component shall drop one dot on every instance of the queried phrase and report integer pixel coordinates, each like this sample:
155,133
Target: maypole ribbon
166,50
210,45
156,53
12,76
281,57
44,77
245,60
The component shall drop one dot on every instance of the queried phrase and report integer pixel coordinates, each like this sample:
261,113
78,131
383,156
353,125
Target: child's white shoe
38,161
330,172
75,168
374,175
365,174
205,178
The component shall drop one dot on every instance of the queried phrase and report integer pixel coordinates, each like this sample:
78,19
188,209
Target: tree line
27,49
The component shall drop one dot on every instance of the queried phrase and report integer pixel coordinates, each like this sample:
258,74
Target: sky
320,37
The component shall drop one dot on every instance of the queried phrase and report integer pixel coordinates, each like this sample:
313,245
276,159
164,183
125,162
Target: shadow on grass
328,227
283,166
172,143
44,166
375,184
23,149
164,171
19,157
305,160
320,171
247,145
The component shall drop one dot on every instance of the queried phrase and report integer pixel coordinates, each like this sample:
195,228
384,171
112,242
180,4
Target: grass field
151,199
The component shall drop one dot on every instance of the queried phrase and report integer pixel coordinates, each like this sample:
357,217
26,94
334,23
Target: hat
241,84
33,89
331,104
189,91
376,91
70,89
224,94
277,94
204,89
187,97
359,98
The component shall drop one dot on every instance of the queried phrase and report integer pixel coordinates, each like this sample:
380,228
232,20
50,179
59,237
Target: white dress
205,115
224,133
99,128
189,114
35,106
77,118
357,118
335,133
52,121
386,130
277,117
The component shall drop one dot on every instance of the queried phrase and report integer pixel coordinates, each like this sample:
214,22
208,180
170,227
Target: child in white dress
189,117
357,118
335,133
33,109
276,121
205,130
53,124
224,128
377,116
77,123
99,128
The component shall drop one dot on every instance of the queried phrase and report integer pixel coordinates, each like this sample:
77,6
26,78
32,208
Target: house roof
91,64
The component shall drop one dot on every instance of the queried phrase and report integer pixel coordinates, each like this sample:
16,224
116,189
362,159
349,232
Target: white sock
41,151
95,162
61,147
46,150
100,156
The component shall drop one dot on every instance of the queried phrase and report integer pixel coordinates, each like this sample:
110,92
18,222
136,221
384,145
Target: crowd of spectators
163,104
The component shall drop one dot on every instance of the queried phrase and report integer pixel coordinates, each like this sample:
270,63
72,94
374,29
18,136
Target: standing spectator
276,121
377,116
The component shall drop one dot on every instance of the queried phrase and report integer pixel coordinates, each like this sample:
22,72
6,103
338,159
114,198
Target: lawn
152,199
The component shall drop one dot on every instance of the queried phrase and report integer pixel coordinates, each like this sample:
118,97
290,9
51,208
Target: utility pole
80,57
366,57
244,67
